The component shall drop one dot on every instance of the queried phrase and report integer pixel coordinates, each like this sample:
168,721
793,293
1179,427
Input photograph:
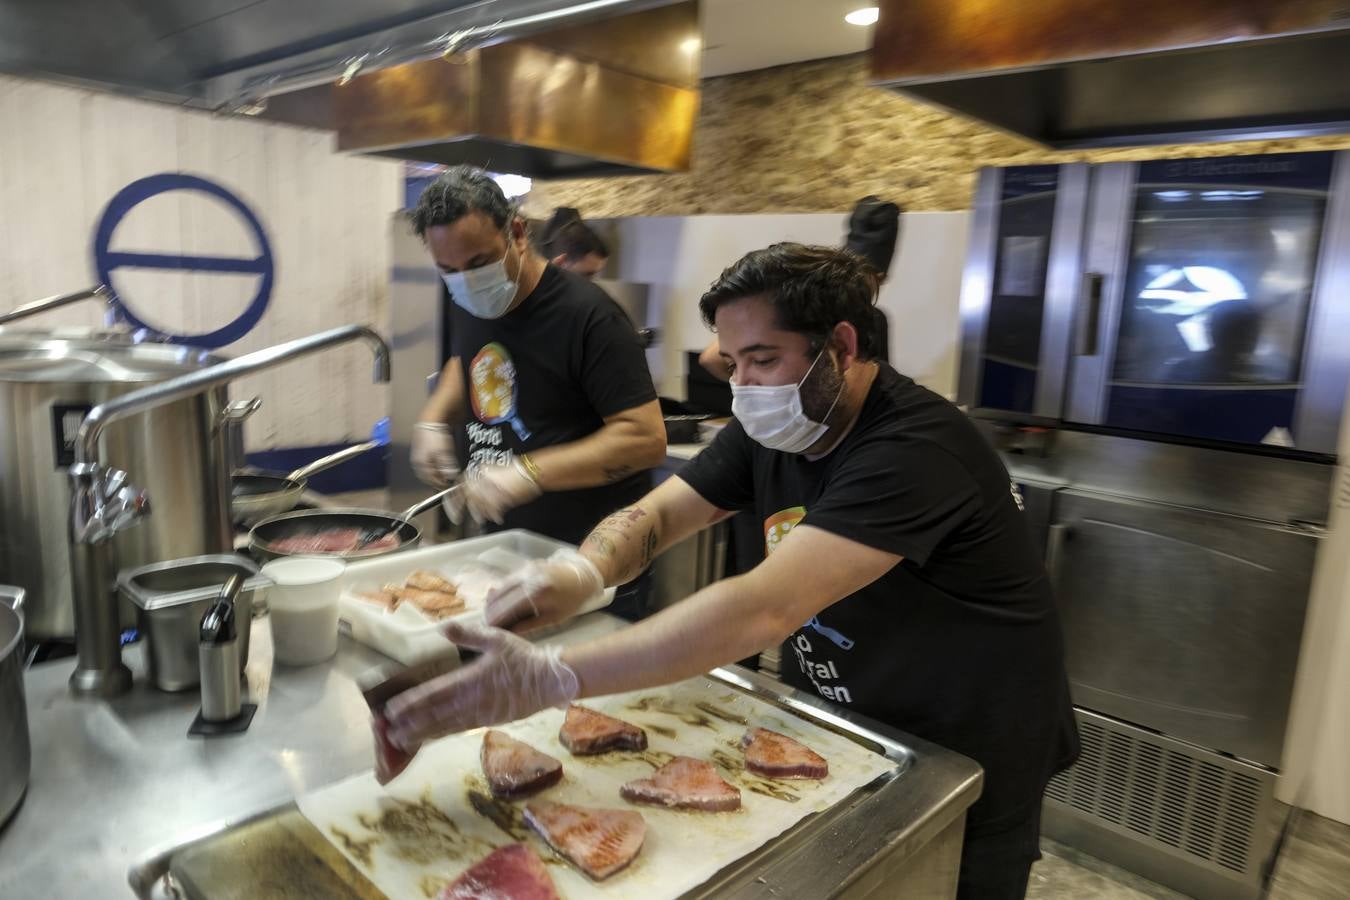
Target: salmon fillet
513,872
684,783
586,731
514,768
429,581
599,842
775,755
384,597
437,604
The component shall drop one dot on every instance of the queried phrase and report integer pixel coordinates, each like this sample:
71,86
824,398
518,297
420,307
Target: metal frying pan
257,496
314,521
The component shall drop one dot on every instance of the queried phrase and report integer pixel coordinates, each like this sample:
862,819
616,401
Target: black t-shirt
547,373
960,643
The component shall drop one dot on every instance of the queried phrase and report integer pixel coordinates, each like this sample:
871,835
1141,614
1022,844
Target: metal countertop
115,781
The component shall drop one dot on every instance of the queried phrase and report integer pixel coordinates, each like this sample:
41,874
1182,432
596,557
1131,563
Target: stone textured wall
815,137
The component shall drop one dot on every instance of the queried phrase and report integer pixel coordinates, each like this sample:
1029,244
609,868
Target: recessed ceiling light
865,16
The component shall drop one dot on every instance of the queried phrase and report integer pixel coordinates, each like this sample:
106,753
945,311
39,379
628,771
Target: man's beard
821,389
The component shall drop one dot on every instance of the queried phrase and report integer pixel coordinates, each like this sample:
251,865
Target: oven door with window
1212,301
1017,291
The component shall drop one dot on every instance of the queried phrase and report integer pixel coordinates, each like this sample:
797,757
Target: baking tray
279,854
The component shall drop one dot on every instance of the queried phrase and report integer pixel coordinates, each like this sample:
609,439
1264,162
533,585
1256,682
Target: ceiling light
865,16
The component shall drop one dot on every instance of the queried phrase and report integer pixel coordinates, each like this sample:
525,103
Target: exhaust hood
1089,73
544,88
616,97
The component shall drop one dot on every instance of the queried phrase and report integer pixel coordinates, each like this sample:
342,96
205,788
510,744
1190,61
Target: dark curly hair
455,193
812,289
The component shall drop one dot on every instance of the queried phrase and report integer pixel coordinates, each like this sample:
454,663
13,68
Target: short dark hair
576,240
812,289
456,193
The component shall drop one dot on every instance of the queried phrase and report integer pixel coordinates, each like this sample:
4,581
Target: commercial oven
1193,298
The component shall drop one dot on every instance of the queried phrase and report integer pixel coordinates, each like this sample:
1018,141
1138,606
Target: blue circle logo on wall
108,261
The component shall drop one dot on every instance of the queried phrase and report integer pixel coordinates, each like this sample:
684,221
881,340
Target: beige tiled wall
815,137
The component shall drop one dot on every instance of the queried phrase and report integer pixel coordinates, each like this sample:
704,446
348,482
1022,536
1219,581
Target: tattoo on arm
619,540
603,545
649,547
618,473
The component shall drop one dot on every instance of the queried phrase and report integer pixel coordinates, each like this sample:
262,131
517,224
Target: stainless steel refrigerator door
1019,288
1180,620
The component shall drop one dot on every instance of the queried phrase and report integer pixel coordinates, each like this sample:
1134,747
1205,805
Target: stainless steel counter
115,780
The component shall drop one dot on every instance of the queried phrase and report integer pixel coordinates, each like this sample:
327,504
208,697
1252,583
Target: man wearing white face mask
546,378
899,573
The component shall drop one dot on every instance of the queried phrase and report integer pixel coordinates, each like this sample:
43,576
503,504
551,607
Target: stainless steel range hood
1090,73
535,87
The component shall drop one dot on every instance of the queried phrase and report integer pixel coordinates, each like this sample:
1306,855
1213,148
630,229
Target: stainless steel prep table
114,781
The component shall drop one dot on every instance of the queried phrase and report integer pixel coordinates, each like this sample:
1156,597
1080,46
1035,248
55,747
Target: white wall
65,152
681,256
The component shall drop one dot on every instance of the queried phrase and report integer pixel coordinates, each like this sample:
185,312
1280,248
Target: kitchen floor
1315,865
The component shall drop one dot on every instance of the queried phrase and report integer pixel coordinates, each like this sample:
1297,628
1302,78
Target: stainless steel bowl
170,600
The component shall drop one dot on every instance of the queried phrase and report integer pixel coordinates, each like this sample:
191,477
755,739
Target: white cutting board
421,832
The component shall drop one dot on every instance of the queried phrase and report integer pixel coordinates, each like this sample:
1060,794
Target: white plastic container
303,600
474,565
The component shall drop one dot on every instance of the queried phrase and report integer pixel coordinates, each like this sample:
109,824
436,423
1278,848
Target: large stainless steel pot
14,746
178,451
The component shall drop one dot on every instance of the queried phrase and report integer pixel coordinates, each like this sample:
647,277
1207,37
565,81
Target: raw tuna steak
390,760
513,872
599,842
514,768
775,755
684,783
586,731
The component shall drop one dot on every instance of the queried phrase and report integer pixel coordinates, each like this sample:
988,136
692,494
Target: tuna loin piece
775,755
684,783
586,731
599,842
513,872
514,768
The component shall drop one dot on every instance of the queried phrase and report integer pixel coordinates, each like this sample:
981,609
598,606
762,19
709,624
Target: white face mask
485,292
774,417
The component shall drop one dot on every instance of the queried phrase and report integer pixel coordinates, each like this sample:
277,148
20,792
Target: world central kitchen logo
141,297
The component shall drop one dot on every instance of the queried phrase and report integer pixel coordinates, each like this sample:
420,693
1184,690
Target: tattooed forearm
623,544
618,473
649,548
602,545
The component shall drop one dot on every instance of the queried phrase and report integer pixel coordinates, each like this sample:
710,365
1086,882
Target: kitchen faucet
103,501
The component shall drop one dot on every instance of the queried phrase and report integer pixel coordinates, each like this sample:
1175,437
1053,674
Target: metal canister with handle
218,656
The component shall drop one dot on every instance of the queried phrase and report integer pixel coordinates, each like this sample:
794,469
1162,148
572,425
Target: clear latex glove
510,680
390,761
491,491
544,592
433,454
